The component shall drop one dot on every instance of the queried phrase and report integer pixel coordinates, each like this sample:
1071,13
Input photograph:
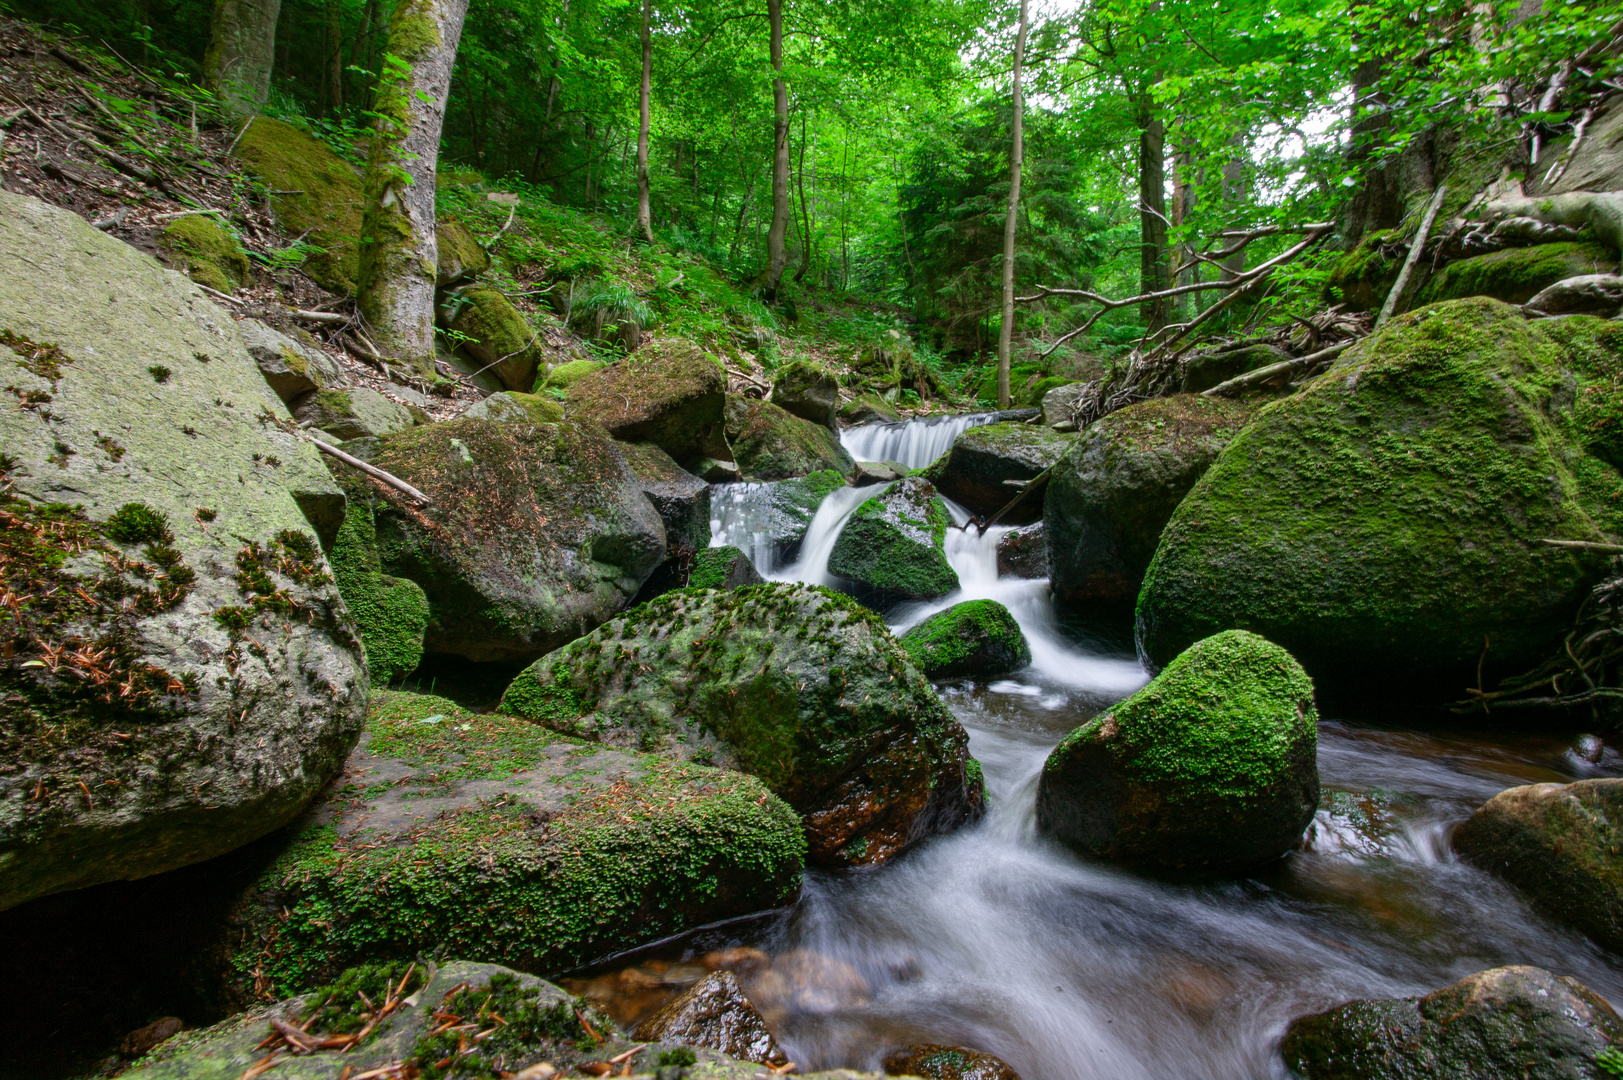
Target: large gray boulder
681,499
291,366
809,391
669,393
180,675
356,412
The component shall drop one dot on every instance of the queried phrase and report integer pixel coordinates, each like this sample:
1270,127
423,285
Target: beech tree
1005,336
645,216
776,256
241,51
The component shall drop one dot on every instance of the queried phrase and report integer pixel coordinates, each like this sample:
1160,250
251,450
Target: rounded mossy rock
987,466
536,532
723,568
1515,275
462,832
569,373
459,256
390,613
893,546
1213,766
185,678
681,499
1560,844
936,1062
315,193
1387,517
769,443
1116,488
293,364
807,390
1519,1022
512,407
354,412
669,393
869,409
797,685
201,246
977,638
496,336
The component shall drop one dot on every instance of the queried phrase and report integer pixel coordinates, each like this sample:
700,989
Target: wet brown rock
717,1014
144,1040
741,960
1023,553
947,1063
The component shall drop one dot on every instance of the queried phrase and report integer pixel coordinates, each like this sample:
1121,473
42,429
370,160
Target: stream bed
994,939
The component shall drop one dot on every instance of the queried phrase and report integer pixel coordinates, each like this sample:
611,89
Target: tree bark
777,257
806,252
398,249
645,214
242,49
1152,213
1005,333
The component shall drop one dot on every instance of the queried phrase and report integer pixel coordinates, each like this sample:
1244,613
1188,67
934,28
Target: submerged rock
1114,491
771,444
978,638
893,545
809,391
1023,552
717,1014
1559,843
797,685
1212,766
536,532
352,413
1518,1022
947,1063
1386,518
468,832
723,568
669,393
179,674
988,465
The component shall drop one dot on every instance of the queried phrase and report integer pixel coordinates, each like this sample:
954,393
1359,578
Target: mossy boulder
390,613
204,249
1519,1022
1387,517
1516,275
869,409
1209,367
723,568
315,193
988,465
769,443
293,364
935,1062
893,546
356,412
1363,276
483,833
977,638
1023,552
669,393
512,407
569,373
179,674
498,337
1560,844
460,258
1058,404
890,366
536,533
1213,766
681,499
809,391
1116,488
797,685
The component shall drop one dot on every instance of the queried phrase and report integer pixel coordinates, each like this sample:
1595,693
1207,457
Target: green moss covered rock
1560,843
1387,517
807,390
356,412
681,499
799,686
1212,766
723,568
1516,275
511,407
460,258
1519,1022
293,364
893,546
390,613
987,466
978,638
483,833
536,534
669,393
1209,367
314,192
201,246
498,338
869,409
769,443
175,645
1116,488
569,373
1362,277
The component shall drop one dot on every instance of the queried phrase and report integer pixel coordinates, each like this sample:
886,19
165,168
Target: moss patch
206,251
894,544
1516,275
391,613
498,335
1362,277
314,192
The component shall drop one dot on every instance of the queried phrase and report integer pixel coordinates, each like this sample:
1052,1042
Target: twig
1413,257
333,317
217,292
488,244
371,470
1269,373
240,133
188,213
1586,545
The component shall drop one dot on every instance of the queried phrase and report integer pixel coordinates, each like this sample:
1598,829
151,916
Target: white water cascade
914,444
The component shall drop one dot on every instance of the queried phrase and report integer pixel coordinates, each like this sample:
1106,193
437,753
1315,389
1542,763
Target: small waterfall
915,443
821,534
745,516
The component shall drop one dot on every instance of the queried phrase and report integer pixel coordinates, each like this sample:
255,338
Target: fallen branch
371,470
1586,545
1272,371
1035,484
217,292
488,244
333,317
1415,247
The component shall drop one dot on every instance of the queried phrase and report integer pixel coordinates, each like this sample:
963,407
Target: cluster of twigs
296,1039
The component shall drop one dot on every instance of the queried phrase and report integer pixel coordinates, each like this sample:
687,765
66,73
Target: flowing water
914,444
994,939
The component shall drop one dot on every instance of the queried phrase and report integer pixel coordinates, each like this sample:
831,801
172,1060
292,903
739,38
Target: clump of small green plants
483,1032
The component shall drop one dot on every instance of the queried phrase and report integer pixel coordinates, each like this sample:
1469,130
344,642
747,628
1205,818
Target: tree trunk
1152,213
336,59
398,251
1233,194
241,51
1017,151
806,252
776,256
645,215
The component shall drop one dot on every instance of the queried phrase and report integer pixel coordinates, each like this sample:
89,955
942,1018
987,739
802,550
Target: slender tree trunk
241,51
1183,269
645,215
1233,195
398,252
1152,212
336,59
776,256
1017,151
806,252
